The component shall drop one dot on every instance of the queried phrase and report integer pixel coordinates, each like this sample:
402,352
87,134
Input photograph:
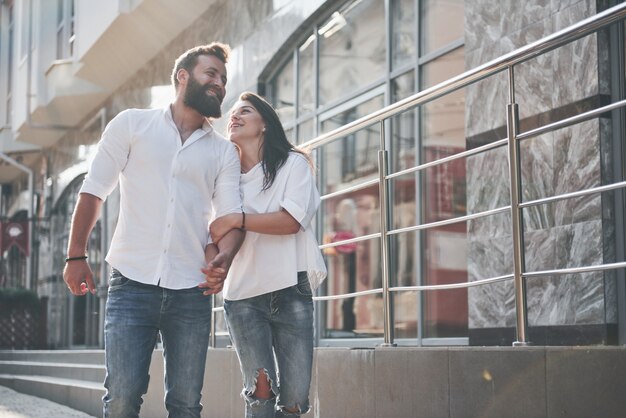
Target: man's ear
182,76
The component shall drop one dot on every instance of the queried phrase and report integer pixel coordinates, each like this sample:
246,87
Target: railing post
388,330
213,340
516,216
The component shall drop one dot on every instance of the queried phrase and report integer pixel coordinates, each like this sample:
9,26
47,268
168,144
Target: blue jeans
274,333
135,314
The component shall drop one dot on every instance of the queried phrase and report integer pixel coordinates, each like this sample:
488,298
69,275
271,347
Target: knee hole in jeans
263,386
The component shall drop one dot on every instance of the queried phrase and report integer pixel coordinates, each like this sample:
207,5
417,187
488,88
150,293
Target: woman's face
244,123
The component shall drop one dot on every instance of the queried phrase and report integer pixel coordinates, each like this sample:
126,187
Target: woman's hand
220,226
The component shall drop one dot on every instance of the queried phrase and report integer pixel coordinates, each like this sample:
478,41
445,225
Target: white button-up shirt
169,191
266,263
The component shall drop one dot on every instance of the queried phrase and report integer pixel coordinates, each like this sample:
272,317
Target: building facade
67,67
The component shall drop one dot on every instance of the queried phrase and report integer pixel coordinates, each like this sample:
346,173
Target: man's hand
215,274
79,277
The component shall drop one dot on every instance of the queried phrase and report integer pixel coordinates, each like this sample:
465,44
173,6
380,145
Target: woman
268,292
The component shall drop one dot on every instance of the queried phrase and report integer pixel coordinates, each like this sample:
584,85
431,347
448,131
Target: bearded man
175,173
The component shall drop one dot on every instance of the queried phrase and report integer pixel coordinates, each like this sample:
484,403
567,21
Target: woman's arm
272,223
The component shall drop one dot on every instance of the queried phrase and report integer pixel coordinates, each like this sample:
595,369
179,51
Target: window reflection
359,317
403,126
306,76
442,21
352,49
305,131
354,157
283,97
403,43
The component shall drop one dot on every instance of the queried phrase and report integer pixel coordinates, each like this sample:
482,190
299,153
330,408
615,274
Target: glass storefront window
443,120
306,76
403,43
403,126
305,131
352,49
283,97
442,22
354,157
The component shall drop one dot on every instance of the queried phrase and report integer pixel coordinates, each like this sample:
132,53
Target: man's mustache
217,91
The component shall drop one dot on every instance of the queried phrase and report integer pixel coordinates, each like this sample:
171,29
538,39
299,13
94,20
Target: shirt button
172,200
168,225
164,251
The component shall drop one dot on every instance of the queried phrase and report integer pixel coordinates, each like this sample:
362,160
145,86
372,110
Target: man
174,172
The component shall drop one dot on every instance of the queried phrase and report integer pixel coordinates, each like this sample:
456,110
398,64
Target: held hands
215,274
79,277
220,226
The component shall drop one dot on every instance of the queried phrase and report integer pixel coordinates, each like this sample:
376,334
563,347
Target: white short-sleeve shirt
169,191
266,263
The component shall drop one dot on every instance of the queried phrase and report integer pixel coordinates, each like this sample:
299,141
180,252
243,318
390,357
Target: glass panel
443,68
356,156
283,93
305,131
445,262
443,120
403,32
306,76
352,49
405,314
360,317
403,126
351,215
442,21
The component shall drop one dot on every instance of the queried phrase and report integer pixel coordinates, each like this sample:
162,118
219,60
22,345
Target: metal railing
512,141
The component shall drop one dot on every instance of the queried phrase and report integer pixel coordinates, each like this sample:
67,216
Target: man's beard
196,97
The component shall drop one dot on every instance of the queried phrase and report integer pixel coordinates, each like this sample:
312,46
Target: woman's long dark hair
276,146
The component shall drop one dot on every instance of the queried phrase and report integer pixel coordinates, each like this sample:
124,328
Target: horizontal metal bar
218,309
572,270
571,120
451,285
350,241
569,34
350,189
444,160
579,193
450,221
349,295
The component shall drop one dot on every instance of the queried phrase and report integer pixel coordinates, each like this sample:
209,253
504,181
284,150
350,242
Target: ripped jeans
273,333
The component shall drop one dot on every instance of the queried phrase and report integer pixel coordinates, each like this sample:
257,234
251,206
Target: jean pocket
303,287
117,280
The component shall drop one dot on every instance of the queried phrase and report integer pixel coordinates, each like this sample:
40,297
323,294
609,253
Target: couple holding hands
177,176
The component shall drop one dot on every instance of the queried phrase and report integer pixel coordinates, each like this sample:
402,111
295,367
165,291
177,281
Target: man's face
205,88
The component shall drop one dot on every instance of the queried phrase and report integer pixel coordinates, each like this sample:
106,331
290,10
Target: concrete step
89,372
77,394
55,356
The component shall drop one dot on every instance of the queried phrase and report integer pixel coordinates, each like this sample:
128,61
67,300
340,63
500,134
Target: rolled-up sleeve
110,158
301,198
226,194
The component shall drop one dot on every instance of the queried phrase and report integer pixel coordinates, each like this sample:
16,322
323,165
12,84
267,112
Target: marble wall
570,232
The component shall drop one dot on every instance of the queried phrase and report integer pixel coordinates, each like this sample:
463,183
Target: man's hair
189,58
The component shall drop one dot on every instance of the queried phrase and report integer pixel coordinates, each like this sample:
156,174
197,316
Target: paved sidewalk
18,405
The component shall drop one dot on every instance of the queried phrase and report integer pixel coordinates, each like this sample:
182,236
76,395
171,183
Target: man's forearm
231,242
85,215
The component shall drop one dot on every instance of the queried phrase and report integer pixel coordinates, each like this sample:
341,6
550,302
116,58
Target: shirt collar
207,126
